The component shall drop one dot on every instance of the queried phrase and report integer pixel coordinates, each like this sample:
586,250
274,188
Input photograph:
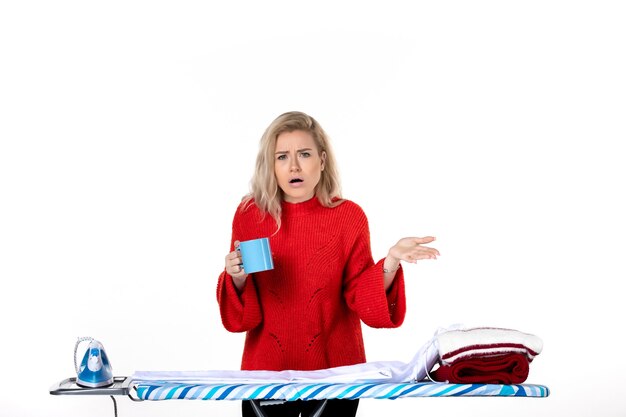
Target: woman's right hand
234,267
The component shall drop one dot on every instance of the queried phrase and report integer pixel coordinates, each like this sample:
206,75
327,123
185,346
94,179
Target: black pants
333,408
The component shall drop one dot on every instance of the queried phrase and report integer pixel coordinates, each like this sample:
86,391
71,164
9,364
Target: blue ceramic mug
256,255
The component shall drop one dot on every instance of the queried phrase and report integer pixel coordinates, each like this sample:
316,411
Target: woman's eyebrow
299,150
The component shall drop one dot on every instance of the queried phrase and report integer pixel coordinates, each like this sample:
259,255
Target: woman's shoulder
246,203
349,207
247,207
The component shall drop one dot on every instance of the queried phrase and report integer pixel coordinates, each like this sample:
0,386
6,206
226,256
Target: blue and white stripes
315,391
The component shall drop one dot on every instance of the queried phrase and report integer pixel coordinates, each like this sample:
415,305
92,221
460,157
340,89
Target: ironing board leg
256,406
320,409
114,405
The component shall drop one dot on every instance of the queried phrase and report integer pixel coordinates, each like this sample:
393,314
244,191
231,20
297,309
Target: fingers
425,255
412,257
421,252
234,263
233,258
235,270
422,240
430,251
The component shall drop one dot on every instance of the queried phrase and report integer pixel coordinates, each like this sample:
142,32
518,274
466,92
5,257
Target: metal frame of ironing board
122,386
273,393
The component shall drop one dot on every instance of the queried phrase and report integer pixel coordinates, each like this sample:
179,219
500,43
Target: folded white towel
458,344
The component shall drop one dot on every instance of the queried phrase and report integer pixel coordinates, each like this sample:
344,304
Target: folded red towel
510,368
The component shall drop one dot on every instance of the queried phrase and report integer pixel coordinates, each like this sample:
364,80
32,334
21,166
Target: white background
129,131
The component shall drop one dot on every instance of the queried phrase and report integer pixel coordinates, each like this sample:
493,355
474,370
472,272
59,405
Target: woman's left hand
410,249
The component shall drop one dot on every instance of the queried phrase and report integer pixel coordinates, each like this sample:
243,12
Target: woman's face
298,165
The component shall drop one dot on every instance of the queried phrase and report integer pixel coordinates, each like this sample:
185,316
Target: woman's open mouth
296,182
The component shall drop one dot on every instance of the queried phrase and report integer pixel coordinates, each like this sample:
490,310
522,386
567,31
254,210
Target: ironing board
260,394
316,391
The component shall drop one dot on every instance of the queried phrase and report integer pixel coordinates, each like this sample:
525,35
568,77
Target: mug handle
239,250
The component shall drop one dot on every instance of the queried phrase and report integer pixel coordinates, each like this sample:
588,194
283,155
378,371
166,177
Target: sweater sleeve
240,310
364,288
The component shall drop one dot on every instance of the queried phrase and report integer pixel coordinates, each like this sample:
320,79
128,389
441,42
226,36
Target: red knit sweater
305,313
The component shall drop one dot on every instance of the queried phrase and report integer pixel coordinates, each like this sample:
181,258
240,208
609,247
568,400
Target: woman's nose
295,166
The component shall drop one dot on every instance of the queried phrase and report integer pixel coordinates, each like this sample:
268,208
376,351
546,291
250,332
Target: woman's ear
323,158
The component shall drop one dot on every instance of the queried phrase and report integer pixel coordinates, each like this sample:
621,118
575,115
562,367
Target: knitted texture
306,313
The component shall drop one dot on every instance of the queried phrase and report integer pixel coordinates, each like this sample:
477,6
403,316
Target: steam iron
95,369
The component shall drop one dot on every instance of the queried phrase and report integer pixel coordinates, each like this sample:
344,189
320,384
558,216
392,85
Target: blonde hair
264,189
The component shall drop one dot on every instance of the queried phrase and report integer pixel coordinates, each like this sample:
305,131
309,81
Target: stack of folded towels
485,355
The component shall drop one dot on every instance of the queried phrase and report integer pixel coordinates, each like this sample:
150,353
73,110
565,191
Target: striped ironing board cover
316,391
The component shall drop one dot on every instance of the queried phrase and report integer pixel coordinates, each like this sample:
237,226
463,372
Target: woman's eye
305,154
281,157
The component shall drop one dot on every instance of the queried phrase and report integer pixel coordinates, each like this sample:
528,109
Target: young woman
306,313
